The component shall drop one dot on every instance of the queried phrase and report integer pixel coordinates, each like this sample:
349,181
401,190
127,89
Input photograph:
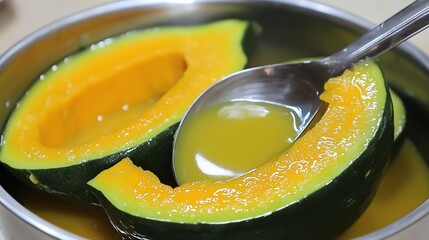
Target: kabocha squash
400,120
400,117
121,98
314,191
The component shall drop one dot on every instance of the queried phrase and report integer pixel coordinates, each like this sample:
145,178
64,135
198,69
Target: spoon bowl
277,83
299,85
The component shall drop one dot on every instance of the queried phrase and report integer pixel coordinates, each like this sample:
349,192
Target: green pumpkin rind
63,181
327,212
154,154
400,122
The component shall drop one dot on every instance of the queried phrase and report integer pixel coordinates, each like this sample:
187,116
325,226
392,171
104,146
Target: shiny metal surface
299,85
292,30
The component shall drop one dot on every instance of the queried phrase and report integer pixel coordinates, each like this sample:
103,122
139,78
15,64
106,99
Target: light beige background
18,18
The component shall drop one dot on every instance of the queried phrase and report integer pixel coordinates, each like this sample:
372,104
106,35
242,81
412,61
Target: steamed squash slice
400,120
121,98
315,191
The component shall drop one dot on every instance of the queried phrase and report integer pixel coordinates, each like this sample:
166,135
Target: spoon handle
398,28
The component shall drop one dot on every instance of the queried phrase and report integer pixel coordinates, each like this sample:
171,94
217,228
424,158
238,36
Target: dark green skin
70,182
155,155
399,140
323,214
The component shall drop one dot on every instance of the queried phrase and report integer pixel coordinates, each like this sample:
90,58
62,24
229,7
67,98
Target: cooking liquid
225,149
229,139
404,186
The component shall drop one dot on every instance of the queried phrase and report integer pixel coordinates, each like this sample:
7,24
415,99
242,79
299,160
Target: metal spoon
299,85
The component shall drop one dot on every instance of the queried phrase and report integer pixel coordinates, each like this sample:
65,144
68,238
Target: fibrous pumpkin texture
122,97
357,129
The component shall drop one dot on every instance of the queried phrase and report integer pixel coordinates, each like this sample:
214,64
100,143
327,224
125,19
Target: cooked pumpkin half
400,118
314,191
123,97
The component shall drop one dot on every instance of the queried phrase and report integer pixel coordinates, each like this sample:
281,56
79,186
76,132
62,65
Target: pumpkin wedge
400,119
123,97
314,191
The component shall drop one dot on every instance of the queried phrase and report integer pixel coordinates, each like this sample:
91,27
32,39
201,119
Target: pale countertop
19,18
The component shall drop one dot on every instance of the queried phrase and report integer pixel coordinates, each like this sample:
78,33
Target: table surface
19,18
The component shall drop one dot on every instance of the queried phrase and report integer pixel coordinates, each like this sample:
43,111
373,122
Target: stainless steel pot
292,29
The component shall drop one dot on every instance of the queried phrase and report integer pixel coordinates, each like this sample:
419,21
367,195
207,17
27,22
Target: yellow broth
87,221
229,139
404,186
